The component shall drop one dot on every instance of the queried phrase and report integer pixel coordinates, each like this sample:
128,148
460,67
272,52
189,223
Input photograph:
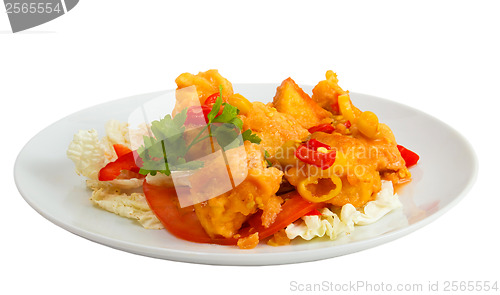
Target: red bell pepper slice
308,153
121,149
197,115
314,144
327,128
411,158
314,212
335,108
211,99
126,161
347,124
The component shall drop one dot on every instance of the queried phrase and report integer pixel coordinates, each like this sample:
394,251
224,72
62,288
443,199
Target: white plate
46,179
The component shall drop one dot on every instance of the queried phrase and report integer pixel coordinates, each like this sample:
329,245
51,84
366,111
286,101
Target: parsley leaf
227,135
229,113
166,150
216,107
252,137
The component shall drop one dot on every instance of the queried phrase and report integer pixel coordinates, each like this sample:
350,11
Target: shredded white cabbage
90,154
126,184
87,153
331,225
136,136
132,206
116,133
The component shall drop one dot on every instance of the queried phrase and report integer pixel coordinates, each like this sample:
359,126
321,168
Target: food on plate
222,169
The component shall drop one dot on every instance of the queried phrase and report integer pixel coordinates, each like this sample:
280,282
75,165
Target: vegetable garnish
212,99
327,128
121,149
316,153
126,161
252,137
335,108
292,209
411,158
314,212
181,222
166,150
197,115
315,144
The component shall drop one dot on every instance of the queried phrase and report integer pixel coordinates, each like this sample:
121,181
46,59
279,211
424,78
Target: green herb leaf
227,135
252,137
266,157
215,109
237,122
166,147
229,113
166,150
191,165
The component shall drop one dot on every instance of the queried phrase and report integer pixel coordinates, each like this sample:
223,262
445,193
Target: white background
441,57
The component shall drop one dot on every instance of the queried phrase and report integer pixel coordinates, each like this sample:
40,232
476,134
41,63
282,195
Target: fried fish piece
207,83
273,127
326,92
225,214
292,100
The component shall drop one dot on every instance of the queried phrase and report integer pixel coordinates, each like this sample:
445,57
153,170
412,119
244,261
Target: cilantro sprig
166,150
